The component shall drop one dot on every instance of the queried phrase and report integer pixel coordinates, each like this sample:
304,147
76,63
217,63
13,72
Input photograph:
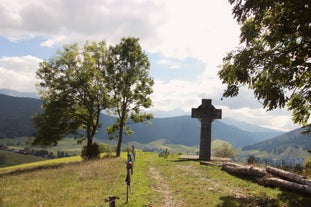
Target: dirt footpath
164,189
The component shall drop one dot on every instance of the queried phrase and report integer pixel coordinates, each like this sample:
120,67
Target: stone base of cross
206,113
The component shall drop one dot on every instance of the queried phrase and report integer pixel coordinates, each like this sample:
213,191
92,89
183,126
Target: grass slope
88,183
12,158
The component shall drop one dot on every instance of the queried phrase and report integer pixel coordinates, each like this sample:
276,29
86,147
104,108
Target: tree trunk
284,184
237,169
287,180
89,142
288,176
89,147
120,138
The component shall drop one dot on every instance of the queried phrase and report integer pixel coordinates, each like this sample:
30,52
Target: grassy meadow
16,159
155,182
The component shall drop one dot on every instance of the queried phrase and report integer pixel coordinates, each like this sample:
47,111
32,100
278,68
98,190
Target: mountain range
16,113
185,130
294,139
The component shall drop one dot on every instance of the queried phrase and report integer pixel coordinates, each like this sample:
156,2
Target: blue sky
184,40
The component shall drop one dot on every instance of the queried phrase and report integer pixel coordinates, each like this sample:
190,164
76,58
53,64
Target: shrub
252,160
224,151
307,166
93,154
105,148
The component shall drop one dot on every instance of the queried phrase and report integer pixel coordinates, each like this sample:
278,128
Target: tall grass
88,183
81,184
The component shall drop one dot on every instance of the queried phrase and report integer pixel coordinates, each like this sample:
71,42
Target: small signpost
206,113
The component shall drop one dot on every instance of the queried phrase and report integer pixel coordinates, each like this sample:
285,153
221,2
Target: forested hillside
277,145
184,130
15,115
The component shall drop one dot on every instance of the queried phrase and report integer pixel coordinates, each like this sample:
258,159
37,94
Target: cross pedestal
206,113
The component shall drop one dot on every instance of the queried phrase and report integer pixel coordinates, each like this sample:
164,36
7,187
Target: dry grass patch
85,183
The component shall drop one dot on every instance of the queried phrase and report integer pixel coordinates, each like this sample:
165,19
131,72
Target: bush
93,154
224,151
251,160
105,148
307,166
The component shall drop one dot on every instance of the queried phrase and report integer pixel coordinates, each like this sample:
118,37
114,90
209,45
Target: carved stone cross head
206,111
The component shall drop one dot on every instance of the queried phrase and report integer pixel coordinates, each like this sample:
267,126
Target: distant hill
183,130
15,93
16,114
290,140
261,132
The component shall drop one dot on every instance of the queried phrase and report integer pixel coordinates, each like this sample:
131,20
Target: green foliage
273,58
79,83
224,151
251,160
130,86
74,93
105,148
93,153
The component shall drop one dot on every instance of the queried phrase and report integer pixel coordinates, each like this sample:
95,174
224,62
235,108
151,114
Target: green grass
37,165
72,182
263,154
12,158
79,184
193,183
68,145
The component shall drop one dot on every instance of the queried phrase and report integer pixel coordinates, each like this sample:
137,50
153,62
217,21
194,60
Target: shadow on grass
182,160
286,199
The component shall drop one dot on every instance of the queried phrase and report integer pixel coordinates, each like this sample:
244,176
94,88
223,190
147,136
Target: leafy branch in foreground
273,58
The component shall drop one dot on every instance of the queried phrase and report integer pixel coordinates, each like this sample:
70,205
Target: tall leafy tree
273,58
74,93
130,86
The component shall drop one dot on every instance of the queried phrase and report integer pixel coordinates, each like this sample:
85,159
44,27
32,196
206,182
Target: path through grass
188,183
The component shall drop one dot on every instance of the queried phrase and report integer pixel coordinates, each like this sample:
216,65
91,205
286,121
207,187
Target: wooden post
127,194
112,201
128,180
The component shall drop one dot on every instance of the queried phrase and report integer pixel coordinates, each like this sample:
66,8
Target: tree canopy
273,58
73,92
79,83
130,86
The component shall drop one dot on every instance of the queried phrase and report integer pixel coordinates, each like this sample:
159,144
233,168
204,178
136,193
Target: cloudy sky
184,40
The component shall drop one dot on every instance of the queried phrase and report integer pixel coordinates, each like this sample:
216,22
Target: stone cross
206,113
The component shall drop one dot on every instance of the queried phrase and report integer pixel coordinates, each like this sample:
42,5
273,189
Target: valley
178,134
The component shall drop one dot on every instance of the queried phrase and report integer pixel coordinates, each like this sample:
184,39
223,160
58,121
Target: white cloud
279,119
55,40
176,29
18,72
201,29
170,64
79,20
